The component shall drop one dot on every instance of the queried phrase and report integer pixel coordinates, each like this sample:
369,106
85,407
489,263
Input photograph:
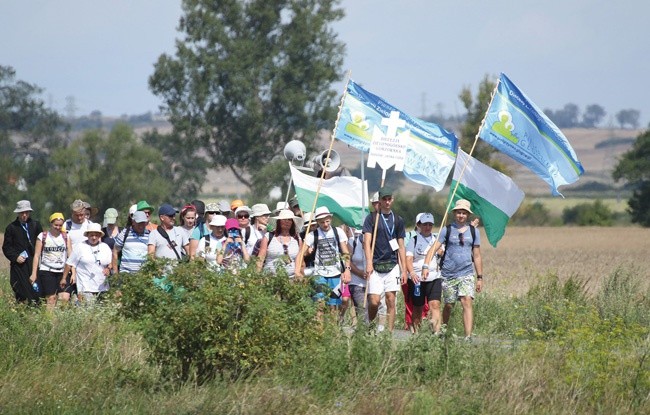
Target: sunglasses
211,212
461,239
243,216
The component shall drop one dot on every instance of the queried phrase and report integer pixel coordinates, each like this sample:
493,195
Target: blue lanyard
390,230
26,228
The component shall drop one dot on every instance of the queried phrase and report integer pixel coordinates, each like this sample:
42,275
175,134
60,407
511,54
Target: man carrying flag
462,255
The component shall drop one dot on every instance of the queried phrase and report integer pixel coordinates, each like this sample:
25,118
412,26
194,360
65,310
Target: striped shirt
134,251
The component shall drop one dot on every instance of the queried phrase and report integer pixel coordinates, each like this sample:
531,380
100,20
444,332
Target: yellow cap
235,204
56,215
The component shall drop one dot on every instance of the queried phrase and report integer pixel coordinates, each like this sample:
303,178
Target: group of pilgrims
77,260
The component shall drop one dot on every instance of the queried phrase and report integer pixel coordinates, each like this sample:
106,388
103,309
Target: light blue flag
430,152
517,127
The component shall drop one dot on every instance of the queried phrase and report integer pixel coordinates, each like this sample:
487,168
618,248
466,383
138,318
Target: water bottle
416,291
35,286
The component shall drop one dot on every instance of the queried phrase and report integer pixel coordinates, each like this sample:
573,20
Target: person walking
386,265
280,248
462,255
90,264
50,254
133,243
167,241
211,244
18,247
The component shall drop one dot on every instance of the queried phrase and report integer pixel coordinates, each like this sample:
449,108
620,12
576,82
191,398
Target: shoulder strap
207,241
248,235
472,231
415,241
444,254
165,235
68,224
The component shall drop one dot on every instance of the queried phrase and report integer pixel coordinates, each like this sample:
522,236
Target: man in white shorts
386,265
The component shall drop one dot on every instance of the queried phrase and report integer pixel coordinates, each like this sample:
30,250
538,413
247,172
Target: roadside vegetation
193,343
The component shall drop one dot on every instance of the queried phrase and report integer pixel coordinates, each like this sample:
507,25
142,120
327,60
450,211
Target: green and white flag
344,196
494,196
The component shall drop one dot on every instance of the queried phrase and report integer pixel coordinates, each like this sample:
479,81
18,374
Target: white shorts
379,283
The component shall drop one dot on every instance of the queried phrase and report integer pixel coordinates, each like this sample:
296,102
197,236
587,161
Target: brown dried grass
586,253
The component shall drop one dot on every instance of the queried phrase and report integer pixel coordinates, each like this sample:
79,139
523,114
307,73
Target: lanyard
26,228
390,230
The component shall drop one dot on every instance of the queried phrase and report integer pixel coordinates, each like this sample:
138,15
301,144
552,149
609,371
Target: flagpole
429,255
322,175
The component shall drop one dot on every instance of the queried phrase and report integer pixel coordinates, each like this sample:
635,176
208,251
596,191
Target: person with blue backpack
461,257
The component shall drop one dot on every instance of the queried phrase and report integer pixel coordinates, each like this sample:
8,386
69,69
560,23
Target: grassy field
562,327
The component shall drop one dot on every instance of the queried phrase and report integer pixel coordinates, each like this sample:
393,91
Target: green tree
628,117
248,77
593,116
107,169
588,214
634,166
28,131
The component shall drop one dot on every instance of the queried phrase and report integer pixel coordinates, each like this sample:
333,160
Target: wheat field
587,253
527,253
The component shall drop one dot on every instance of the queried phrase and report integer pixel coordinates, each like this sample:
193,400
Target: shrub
531,214
200,324
588,214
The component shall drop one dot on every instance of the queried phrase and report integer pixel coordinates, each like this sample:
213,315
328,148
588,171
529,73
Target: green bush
531,214
588,214
202,324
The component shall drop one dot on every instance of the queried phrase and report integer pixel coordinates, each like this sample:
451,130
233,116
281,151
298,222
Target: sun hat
56,215
166,210
94,228
374,198
140,217
288,214
385,191
425,218
93,210
133,209
260,209
243,209
293,202
23,206
212,207
77,205
463,204
224,206
307,216
322,212
110,216
232,224
143,205
236,203
218,220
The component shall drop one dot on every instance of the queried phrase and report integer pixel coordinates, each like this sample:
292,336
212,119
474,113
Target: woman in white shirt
50,253
210,245
430,289
90,264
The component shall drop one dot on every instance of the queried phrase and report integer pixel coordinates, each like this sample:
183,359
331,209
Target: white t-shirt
327,262
211,252
163,249
90,262
54,253
252,239
419,252
76,231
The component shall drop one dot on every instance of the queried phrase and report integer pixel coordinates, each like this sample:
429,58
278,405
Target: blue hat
166,210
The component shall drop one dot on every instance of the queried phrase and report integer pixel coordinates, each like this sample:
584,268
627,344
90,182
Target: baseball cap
166,210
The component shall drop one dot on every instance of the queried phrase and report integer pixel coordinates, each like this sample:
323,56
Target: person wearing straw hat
18,247
386,264
280,249
90,264
462,255
328,245
50,255
260,215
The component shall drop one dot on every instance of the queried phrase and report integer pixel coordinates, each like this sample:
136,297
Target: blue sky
417,54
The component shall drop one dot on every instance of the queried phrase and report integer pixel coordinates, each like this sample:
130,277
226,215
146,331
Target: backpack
472,231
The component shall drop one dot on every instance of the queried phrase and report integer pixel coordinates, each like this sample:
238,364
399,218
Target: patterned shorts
454,288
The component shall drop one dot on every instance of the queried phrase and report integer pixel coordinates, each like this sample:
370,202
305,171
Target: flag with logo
517,127
344,196
493,195
430,149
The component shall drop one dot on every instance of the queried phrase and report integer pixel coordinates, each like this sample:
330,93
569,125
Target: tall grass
556,349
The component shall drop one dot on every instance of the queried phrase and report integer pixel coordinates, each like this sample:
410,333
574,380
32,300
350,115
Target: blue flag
517,127
430,149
